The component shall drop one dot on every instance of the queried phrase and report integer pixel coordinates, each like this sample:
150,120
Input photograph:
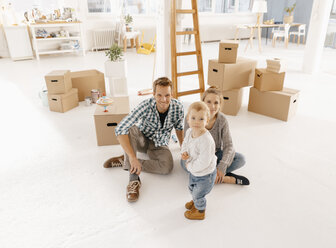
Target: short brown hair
162,81
212,90
199,106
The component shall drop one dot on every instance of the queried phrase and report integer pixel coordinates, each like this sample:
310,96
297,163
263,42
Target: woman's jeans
238,161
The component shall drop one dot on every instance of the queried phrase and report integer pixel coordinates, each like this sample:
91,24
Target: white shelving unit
39,44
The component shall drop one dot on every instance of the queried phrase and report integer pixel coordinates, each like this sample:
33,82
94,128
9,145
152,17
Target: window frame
333,13
235,8
117,5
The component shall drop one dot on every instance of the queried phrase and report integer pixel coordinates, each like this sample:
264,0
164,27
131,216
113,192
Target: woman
227,159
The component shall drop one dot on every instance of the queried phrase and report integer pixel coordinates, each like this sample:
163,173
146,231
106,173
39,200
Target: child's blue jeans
201,186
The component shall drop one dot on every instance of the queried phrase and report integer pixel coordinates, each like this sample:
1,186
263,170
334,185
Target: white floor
55,193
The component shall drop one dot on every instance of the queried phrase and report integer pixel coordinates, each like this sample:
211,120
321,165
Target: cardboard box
268,81
231,76
63,102
58,82
106,122
228,51
281,105
232,101
274,65
87,80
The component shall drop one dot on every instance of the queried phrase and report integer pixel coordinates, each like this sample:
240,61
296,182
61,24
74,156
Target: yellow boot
189,205
194,214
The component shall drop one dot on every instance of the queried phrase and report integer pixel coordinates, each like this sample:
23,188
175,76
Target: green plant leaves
114,53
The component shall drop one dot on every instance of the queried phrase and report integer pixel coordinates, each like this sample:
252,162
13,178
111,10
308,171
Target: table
252,27
131,36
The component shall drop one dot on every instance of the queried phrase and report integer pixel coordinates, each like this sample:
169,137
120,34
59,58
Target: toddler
199,159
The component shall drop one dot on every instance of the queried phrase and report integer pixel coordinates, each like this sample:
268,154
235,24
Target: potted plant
128,20
289,18
115,66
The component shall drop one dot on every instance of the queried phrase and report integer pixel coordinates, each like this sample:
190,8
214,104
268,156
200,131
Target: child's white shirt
202,159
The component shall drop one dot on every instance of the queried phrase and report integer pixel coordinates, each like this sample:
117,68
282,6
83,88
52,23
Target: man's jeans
238,161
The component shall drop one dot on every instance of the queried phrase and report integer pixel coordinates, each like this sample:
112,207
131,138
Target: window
333,10
140,7
245,5
205,6
135,7
99,6
225,6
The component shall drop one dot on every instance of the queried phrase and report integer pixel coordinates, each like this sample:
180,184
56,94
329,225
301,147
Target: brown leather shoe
190,205
132,193
194,214
114,162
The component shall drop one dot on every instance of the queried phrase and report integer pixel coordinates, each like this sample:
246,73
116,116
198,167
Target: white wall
223,26
212,26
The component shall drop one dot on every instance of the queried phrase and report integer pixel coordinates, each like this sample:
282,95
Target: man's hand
219,177
135,166
184,156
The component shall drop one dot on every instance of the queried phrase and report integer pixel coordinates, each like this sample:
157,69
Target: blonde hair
212,90
162,81
199,106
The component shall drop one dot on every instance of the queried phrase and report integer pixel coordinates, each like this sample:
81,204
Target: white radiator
102,39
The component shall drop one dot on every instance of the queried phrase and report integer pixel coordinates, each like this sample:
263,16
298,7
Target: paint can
94,95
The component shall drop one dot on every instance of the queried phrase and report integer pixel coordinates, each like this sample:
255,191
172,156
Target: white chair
281,33
119,33
300,32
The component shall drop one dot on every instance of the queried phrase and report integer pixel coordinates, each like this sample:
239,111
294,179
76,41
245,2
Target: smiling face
162,97
197,120
213,103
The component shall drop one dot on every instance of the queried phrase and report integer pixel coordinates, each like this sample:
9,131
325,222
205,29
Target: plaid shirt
146,117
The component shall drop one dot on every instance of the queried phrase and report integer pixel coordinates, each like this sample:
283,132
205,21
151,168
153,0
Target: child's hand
184,156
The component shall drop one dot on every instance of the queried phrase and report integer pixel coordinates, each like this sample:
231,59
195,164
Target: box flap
229,43
86,73
57,73
116,108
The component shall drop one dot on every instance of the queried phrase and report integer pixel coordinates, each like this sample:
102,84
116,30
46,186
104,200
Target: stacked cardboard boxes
87,80
269,97
230,74
61,96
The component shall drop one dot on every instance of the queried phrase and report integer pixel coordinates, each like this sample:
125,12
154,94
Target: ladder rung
183,93
185,11
187,73
187,53
186,32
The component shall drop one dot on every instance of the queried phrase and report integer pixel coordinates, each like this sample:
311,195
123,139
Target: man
147,129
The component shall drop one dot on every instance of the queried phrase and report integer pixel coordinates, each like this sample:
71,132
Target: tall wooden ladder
175,55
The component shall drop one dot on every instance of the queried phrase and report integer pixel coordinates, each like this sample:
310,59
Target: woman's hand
220,176
184,156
